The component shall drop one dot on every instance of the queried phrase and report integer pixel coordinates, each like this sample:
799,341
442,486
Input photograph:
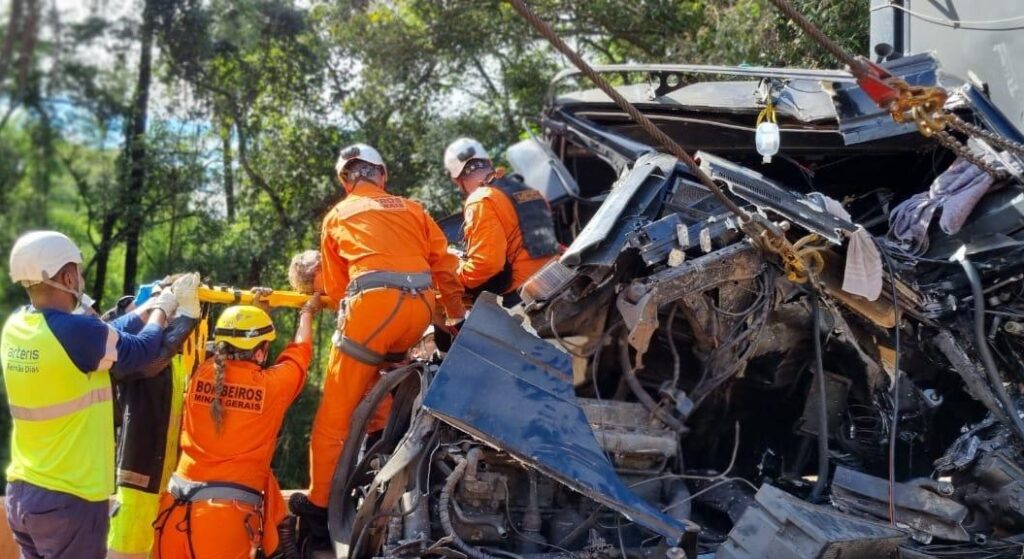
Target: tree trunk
12,34
228,171
99,280
135,151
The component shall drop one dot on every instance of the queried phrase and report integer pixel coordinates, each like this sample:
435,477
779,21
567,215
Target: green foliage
255,97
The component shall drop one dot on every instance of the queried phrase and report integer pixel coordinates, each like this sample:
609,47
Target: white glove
186,291
167,302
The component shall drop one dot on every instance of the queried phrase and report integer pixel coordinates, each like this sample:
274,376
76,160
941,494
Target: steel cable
856,66
660,137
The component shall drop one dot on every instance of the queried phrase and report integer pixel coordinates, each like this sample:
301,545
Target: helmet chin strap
76,294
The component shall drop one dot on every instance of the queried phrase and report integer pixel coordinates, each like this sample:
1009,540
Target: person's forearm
157,317
304,332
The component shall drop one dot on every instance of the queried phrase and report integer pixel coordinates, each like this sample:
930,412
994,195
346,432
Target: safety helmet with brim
460,153
244,327
38,256
358,152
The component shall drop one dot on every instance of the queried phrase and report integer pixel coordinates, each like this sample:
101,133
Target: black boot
287,547
313,533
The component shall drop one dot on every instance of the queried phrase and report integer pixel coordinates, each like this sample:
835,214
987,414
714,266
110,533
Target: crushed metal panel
919,504
860,119
802,98
639,302
630,197
767,194
618,151
514,391
780,526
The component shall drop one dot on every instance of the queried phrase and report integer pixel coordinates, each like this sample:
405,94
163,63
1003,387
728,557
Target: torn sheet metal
604,236
529,410
860,119
618,151
923,505
769,195
781,526
639,302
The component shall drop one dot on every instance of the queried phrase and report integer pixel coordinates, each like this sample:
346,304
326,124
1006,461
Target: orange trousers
385,321
216,528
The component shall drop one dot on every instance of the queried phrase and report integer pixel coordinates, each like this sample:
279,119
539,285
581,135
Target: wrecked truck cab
846,401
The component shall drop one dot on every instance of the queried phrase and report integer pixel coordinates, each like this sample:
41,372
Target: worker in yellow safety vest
58,363
147,445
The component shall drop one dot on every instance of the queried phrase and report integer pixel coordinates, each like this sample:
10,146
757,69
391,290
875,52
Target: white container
767,140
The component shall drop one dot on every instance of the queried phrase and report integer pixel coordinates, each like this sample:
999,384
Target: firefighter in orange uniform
383,258
509,231
223,500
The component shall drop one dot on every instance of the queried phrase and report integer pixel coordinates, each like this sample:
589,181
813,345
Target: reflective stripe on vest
536,225
63,419
55,411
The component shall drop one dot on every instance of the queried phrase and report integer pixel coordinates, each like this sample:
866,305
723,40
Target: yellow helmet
244,327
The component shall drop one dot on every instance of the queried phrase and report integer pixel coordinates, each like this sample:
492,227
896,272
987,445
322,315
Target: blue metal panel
514,391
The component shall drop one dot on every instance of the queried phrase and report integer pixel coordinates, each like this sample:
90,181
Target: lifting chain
954,145
991,137
924,106
805,263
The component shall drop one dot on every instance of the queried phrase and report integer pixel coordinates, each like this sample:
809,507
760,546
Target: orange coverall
373,231
254,403
493,237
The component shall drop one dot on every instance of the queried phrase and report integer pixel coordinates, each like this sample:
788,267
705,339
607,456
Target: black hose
445,512
983,350
819,374
629,374
340,509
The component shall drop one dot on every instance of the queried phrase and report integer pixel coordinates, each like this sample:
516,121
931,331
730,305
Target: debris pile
847,382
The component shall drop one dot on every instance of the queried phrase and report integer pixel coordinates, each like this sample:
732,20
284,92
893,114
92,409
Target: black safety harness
536,227
186,492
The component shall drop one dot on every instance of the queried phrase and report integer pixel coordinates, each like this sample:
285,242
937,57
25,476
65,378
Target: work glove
260,295
166,301
453,327
186,291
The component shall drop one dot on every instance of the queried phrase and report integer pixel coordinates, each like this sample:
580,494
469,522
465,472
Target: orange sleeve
442,266
288,374
335,268
486,244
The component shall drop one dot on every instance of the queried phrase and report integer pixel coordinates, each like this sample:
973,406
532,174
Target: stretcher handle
224,295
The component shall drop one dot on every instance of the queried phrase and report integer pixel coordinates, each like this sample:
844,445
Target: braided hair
217,408
222,352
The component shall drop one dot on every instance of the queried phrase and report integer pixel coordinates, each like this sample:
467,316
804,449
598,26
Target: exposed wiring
725,473
894,425
444,512
819,374
982,345
676,366
976,25
508,513
629,374
709,488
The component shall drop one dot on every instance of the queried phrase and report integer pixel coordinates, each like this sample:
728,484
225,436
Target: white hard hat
39,255
460,152
361,152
